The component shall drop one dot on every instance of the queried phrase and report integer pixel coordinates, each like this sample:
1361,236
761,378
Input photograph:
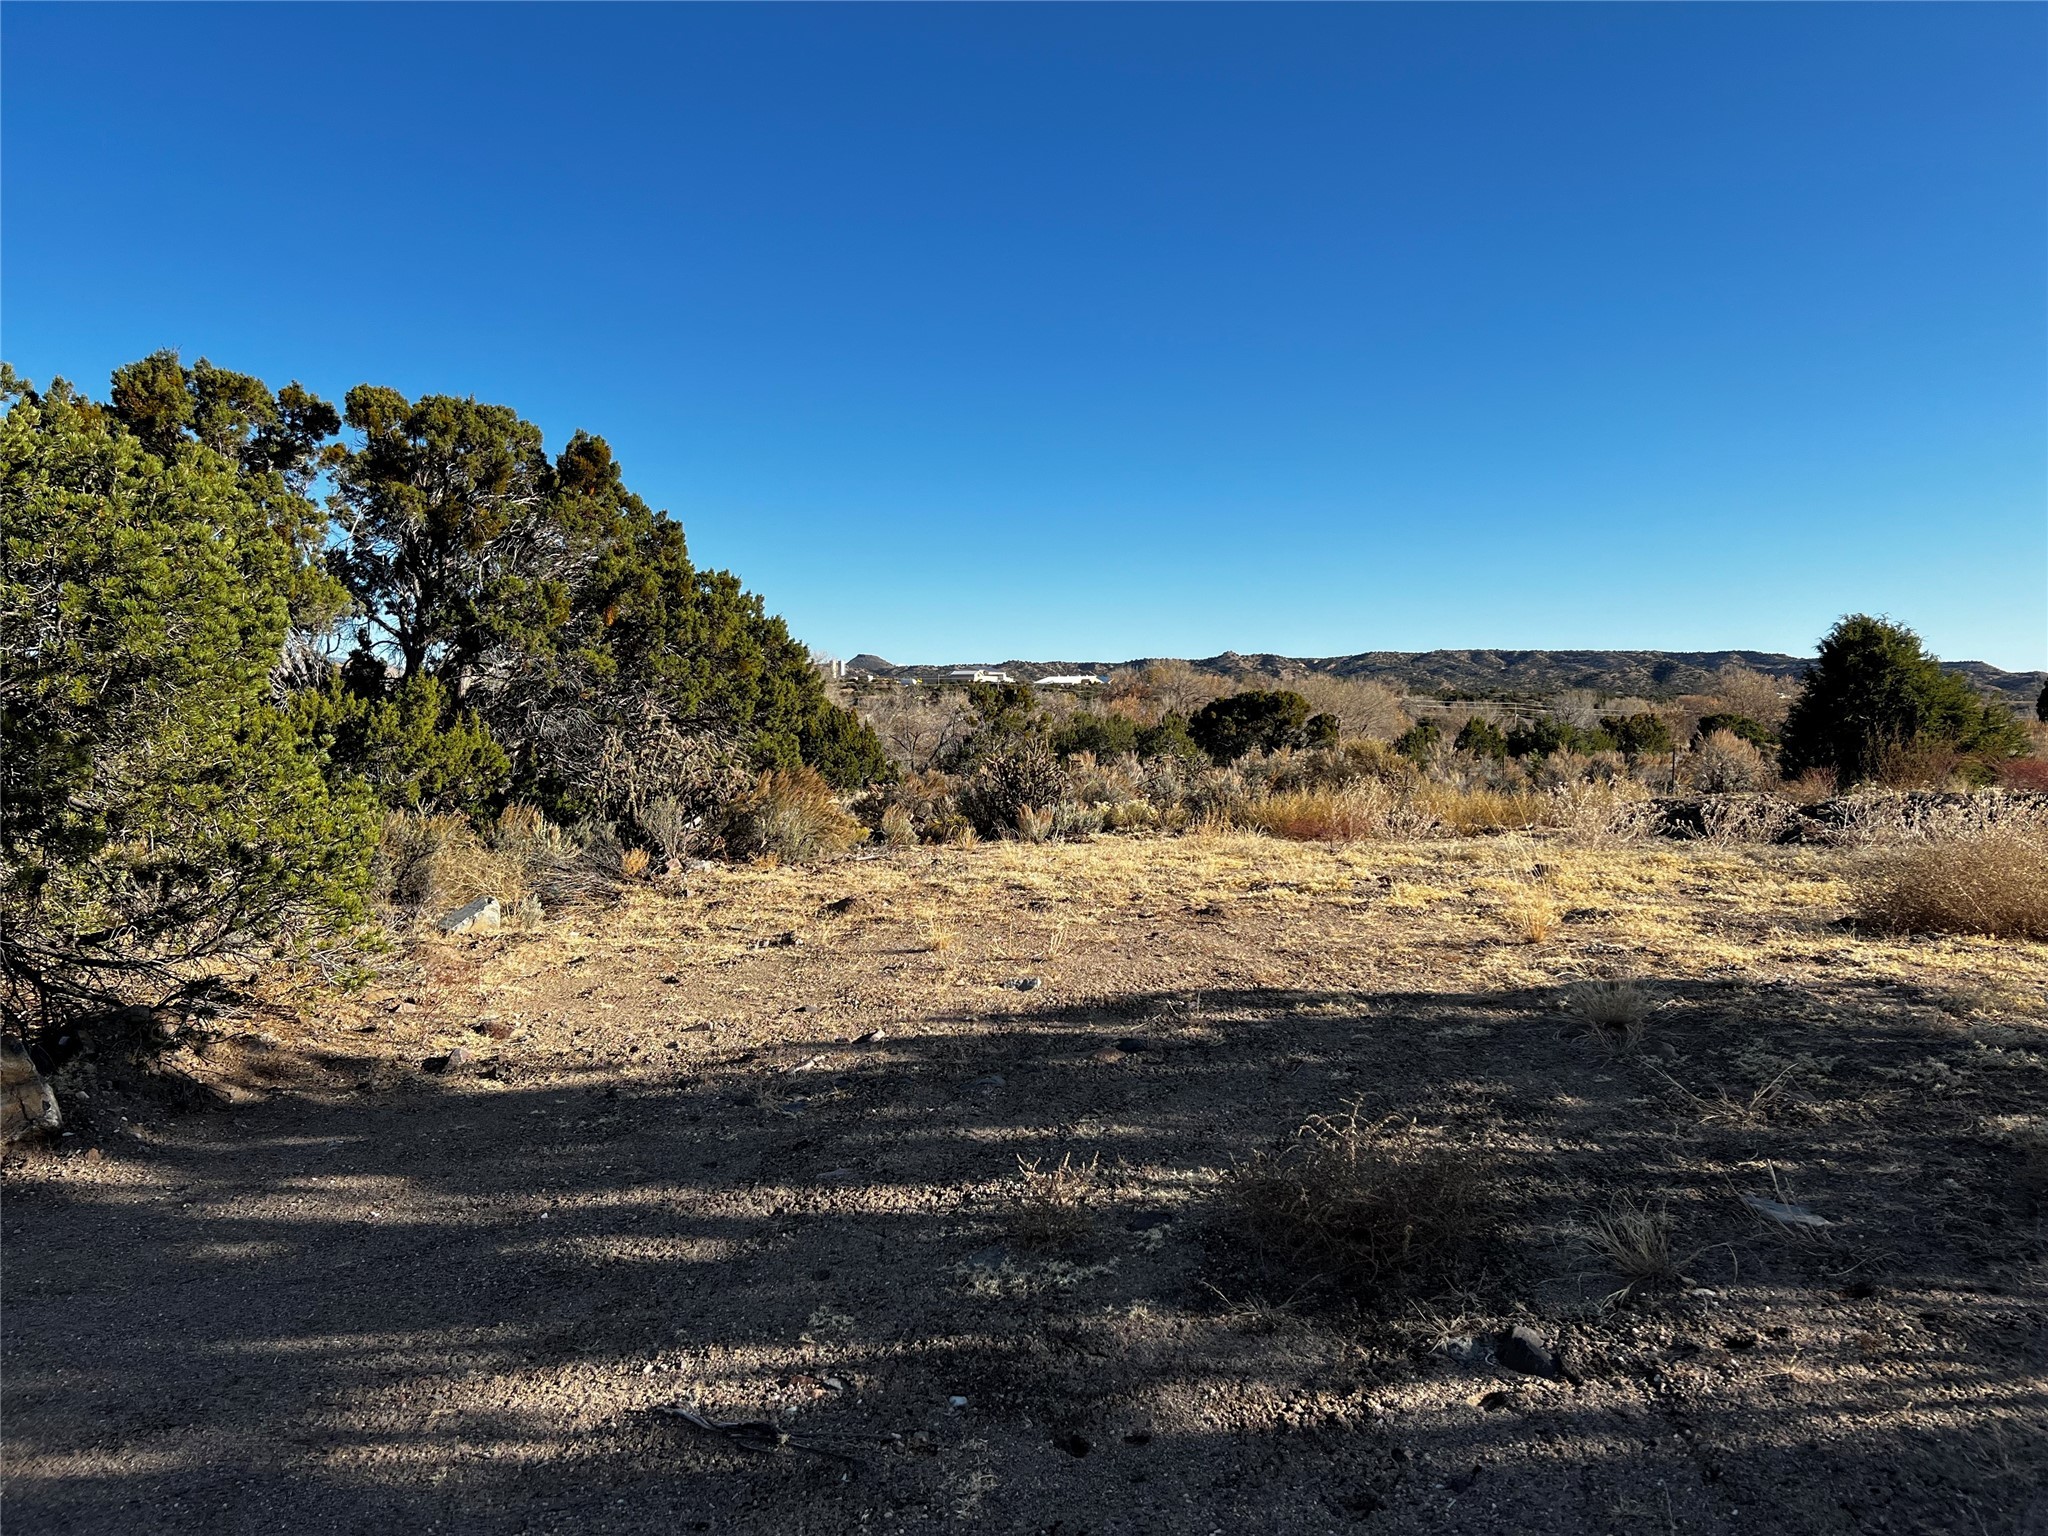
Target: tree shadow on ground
455,1304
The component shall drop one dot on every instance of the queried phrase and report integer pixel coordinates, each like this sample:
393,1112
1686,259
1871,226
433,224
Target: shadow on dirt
453,1304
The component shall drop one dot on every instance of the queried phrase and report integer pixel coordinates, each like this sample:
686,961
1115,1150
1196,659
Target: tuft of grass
1035,823
791,815
1054,1207
1343,1206
1635,1237
1534,919
1613,1009
899,827
633,863
1993,880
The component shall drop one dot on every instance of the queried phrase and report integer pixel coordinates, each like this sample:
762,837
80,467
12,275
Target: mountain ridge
1479,672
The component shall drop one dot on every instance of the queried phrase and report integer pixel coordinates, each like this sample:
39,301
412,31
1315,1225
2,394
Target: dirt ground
753,1151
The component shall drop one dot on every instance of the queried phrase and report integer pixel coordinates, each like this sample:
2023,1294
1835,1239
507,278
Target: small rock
1465,1349
1026,983
871,1037
1522,1349
956,1403
454,1061
845,906
1493,1402
1074,1445
495,1029
480,916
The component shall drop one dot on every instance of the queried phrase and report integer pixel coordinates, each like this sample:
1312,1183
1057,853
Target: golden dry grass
1994,881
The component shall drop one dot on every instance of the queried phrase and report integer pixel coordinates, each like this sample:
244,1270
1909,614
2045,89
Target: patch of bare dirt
455,1245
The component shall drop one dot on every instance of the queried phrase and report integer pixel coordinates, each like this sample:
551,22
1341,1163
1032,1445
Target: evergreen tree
156,806
1873,691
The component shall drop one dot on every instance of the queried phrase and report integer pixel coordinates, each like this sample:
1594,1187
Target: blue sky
1093,332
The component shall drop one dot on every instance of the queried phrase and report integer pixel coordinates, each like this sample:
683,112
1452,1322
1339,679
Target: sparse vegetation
1347,1207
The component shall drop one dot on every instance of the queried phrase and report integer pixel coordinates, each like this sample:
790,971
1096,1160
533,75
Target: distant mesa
1468,674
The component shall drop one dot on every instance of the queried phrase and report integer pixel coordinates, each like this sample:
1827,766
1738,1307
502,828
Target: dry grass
1354,813
1613,1009
1635,1237
899,828
1342,1206
634,862
1054,1207
1991,881
792,816
1465,812
1533,919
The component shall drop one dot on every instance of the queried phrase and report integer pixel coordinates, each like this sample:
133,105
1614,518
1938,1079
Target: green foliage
1419,740
843,748
1257,720
1321,731
1758,735
1540,738
1482,738
1169,738
415,752
2041,704
1639,735
155,805
1874,692
1102,735
554,602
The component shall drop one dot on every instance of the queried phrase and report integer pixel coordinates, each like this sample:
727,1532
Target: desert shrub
432,863
1600,815
1992,879
791,815
2024,773
1874,700
436,862
1021,776
1757,734
897,828
1346,1208
1256,720
1097,735
1419,741
1482,738
156,807
1351,762
1642,734
1725,763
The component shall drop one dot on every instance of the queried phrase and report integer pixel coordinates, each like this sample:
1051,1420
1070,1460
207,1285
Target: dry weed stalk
1635,1237
1347,1205
1052,1210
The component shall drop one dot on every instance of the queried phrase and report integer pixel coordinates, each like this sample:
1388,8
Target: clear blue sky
1087,332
